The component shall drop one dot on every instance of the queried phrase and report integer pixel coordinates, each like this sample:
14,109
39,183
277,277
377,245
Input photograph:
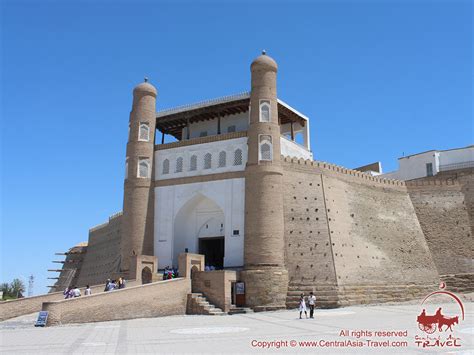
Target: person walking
311,304
302,306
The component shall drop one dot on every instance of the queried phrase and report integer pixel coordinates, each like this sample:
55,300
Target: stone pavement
269,332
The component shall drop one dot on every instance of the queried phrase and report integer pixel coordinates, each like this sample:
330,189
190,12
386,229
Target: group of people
114,284
170,273
74,291
209,268
311,304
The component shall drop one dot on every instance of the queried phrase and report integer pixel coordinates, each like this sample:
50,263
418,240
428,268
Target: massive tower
138,200
265,273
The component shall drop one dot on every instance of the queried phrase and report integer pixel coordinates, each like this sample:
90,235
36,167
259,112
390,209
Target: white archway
199,217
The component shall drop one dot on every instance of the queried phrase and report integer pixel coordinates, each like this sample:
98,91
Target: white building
432,162
207,216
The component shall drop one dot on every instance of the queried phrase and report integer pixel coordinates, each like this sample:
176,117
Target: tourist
107,285
76,292
121,283
112,285
67,293
87,291
311,303
302,306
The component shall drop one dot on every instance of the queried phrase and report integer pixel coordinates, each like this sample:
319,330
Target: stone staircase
326,295
459,283
239,310
332,296
198,304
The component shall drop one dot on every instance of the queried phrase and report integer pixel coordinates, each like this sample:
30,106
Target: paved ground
247,333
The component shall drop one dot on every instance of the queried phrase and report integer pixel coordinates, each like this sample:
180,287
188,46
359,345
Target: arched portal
146,275
199,228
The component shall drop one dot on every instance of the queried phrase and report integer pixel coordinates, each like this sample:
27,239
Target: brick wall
157,299
443,207
352,238
102,259
22,306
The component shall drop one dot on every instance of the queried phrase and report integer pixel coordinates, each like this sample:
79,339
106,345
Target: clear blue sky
376,78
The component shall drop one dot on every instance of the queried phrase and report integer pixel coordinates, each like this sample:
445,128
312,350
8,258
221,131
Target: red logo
430,323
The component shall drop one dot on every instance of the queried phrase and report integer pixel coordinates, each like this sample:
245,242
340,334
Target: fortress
240,186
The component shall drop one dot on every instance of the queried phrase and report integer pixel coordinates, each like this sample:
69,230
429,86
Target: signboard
42,319
240,294
240,288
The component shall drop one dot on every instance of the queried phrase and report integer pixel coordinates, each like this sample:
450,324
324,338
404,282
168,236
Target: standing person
311,303
87,291
303,306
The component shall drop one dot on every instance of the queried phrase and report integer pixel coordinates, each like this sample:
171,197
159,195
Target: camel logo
430,323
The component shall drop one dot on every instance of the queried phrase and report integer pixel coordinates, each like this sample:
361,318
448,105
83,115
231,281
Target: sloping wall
444,208
71,268
102,259
356,234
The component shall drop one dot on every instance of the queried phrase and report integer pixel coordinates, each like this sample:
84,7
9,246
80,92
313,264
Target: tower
138,200
264,272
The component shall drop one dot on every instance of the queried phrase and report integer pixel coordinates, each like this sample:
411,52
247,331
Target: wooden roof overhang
173,121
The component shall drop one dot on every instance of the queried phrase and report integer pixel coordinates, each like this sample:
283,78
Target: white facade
184,213
231,147
432,162
232,123
293,149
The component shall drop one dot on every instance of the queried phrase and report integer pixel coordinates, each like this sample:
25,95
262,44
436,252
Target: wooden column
162,137
187,128
219,124
292,131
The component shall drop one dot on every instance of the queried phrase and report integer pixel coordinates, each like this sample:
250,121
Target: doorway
213,250
146,275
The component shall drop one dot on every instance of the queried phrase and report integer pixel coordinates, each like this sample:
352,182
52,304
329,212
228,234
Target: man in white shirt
311,303
76,292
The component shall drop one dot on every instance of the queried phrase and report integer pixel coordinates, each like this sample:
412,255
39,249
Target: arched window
238,157
166,167
222,159
193,163
143,168
144,132
265,151
207,161
179,165
264,111
126,168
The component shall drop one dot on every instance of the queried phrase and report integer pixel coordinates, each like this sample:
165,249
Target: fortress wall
443,208
102,260
375,235
370,238
308,252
